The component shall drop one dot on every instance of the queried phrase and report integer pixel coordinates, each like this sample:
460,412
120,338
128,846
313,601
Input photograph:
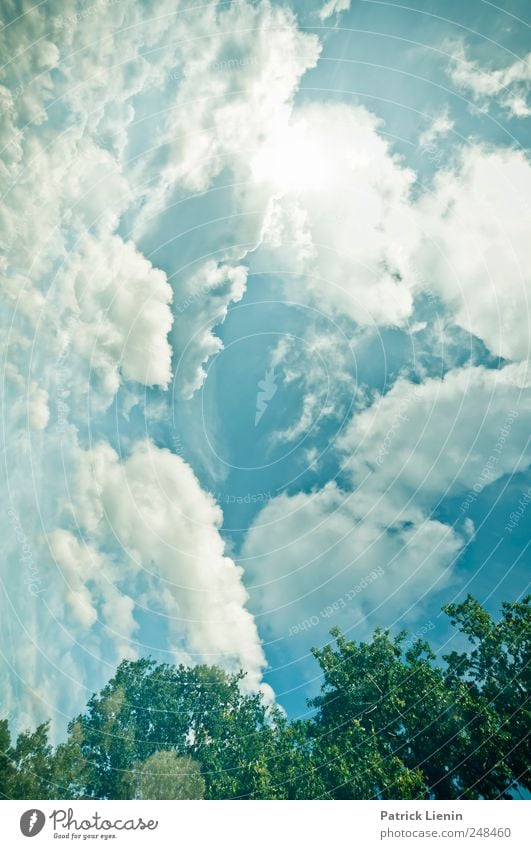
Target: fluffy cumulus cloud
82,309
107,110
90,593
310,553
149,509
241,68
509,85
341,216
117,121
118,310
307,553
68,280
237,76
205,302
128,556
357,242
440,126
87,81
333,7
421,442
475,251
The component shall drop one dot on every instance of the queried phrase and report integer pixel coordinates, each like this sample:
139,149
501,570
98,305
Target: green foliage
164,775
361,728
496,675
390,723
26,769
199,712
7,769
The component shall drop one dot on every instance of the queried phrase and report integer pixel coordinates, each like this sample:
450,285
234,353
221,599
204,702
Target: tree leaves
390,722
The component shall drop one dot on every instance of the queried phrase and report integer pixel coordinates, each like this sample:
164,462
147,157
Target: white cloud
342,217
204,304
441,125
165,529
235,90
251,56
106,558
509,84
68,282
120,310
88,580
234,93
344,224
308,551
518,105
402,455
322,368
98,137
333,7
344,221
84,309
423,442
475,251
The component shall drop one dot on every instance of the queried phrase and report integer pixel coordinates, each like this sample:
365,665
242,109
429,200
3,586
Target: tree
164,775
26,769
359,729
497,673
70,769
199,712
395,724
390,722
7,770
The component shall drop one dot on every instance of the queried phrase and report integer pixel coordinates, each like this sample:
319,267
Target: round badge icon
32,822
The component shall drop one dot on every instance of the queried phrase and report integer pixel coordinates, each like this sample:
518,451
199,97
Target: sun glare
292,161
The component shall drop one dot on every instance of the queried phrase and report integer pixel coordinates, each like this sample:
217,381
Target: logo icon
32,822
267,388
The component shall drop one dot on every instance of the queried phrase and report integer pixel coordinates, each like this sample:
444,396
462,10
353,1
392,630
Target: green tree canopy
164,775
392,721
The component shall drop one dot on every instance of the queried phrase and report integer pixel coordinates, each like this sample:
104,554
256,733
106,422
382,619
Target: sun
292,160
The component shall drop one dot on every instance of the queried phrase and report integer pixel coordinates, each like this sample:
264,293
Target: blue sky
265,300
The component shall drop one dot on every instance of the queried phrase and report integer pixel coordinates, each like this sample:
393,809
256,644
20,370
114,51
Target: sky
265,284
